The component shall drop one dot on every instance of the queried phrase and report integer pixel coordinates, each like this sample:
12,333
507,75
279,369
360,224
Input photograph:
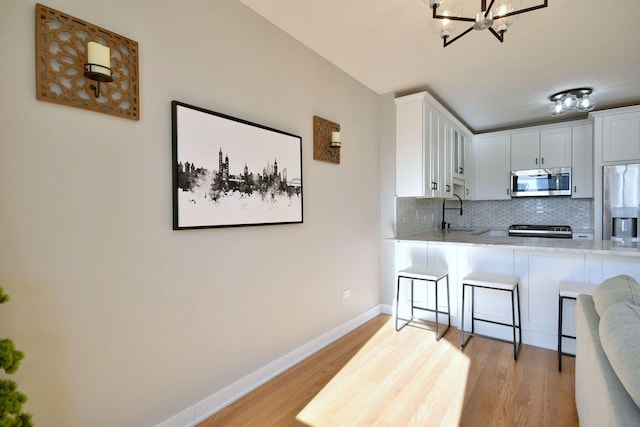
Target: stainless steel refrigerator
621,202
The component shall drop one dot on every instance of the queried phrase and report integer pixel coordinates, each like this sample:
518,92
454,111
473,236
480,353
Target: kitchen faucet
444,201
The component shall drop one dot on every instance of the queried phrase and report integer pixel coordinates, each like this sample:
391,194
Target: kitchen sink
465,229
494,233
479,231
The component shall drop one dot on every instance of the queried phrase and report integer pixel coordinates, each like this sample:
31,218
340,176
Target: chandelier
567,100
497,17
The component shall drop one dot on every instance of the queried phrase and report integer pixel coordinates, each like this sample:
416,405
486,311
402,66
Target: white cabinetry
525,150
491,158
461,154
425,138
549,148
555,148
413,150
582,161
441,171
621,137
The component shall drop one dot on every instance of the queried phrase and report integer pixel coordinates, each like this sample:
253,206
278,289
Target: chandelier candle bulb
99,55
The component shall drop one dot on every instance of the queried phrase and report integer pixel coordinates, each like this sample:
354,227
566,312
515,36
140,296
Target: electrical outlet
346,293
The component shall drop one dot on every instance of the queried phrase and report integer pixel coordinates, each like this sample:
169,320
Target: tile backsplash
414,215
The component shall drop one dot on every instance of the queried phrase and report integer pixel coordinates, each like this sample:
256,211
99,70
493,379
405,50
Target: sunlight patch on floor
405,378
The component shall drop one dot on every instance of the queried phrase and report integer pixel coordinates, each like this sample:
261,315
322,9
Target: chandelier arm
486,11
451,18
518,12
499,36
447,43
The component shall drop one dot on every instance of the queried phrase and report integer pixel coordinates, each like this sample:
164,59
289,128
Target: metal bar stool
429,276
570,291
496,282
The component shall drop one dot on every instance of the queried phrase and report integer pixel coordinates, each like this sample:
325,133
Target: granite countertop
486,237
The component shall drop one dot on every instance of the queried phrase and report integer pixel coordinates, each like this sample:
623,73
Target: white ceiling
390,46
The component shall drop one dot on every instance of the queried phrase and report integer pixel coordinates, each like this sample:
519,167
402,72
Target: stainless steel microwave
541,182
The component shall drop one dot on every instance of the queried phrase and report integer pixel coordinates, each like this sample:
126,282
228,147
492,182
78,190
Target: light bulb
569,102
557,109
445,27
503,7
586,103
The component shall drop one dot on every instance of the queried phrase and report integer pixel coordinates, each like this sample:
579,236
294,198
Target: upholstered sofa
608,354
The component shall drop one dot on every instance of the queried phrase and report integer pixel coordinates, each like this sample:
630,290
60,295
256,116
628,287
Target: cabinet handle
466,191
543,160
508,191
575,189
460,170
434,185
448,188
536,161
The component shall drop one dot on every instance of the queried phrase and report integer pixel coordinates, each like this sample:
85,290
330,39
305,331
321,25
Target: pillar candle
99,55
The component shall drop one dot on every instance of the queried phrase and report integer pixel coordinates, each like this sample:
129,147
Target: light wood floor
378,377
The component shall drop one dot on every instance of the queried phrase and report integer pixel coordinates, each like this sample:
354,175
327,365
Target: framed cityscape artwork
229,172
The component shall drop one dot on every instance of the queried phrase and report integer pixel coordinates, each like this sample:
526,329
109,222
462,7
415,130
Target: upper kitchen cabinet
548,148
425,149
413,151
621,137
461,153
491,158
582,161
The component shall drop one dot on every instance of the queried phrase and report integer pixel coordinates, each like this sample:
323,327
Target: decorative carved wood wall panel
61,52
322,149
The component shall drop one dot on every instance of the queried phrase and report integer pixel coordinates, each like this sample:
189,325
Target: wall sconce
335,139
98,66
66,46
326,140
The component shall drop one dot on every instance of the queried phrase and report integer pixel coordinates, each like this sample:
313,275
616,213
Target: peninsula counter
540,263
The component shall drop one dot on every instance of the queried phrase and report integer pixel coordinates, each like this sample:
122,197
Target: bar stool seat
496,282
430,276
568,290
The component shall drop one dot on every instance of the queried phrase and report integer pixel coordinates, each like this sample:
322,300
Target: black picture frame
229,172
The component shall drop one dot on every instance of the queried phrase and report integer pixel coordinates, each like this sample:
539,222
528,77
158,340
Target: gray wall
124,321
387,133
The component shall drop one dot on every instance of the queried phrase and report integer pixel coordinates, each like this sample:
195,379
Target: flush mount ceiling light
497,17
567,100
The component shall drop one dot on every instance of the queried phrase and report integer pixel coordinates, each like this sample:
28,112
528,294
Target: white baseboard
387,309
217,401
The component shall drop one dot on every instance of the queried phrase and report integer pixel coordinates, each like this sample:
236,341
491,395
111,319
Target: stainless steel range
548,231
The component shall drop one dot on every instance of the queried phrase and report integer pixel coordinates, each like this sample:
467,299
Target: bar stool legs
428,276
568,291
494,283
561,299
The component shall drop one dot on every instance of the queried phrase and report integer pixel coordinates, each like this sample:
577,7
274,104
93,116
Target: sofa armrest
601,399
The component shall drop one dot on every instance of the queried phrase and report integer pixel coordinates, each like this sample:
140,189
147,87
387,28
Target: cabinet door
525,151
491,157
555,148
438,146
410,149
582,161
621,137
448,160
461,154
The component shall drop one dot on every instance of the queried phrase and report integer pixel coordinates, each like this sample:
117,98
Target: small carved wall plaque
322,149
61,52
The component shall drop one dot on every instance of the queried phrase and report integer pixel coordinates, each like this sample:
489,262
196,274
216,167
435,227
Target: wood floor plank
375,376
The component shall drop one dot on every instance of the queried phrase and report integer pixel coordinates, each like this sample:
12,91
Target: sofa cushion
620,337
615,290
